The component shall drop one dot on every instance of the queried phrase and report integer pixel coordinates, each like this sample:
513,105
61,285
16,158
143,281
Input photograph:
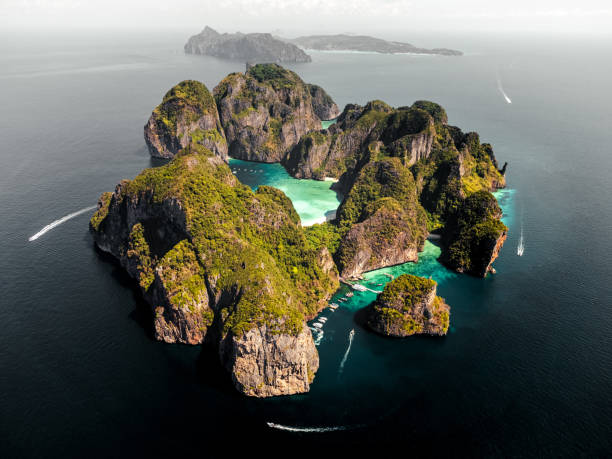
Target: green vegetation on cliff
472,234
408,305
249,245
387,178
187,96
409,289
279,77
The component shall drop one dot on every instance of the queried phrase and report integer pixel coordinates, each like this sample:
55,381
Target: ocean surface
526,369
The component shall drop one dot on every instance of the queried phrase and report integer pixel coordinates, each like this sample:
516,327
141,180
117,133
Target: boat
317,325
349,294
359,287
322,319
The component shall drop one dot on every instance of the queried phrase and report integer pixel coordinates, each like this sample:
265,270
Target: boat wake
348,349
58,222
521,245
501,89
305,429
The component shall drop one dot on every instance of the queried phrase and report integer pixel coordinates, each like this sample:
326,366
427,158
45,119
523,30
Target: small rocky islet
409,306
232,268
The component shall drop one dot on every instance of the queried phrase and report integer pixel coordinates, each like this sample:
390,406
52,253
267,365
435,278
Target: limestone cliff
409,306
381,219
378,152
323,105
340,151
223,265
187,114
474,235
266,111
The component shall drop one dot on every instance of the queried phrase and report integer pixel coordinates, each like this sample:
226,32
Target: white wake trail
521,245
58,222
304,429
348,349
501,89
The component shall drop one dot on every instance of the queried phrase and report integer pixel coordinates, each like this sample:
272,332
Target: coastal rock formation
378,152
474,235
365,44
406,132
264,364
267,110
383,222
409,306
221,264
251,47
187,114
323,105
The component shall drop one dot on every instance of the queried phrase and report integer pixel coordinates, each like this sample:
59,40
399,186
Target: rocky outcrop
381,217
323,105
409,306
222,265
474,235
406,132
264,364
187,114
265,112
365,44
251,47
386,238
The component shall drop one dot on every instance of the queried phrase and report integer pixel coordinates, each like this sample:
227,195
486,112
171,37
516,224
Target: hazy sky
568,16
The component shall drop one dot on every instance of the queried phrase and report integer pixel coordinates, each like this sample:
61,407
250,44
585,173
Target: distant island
229,267
364,43
265,48
251,47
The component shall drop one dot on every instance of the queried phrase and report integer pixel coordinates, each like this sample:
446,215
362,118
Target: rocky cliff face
324,106
385,238
221,264
383,222
474,235
408,306
252,47
187,114
266,111
407,133
263,364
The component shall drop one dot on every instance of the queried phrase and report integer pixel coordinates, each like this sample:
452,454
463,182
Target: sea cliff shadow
209,371
141,313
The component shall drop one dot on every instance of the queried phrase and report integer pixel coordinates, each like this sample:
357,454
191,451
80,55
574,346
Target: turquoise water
505,198
313,200
327,123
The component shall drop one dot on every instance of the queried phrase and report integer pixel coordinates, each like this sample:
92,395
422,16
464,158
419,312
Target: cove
315,202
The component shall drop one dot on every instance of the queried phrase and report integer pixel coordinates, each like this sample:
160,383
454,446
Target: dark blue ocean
526,370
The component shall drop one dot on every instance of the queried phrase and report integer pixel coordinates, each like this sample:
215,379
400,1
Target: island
409,306
227,267
250,47
364,43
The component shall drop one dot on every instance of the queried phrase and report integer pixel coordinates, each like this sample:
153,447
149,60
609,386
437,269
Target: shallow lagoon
313,200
